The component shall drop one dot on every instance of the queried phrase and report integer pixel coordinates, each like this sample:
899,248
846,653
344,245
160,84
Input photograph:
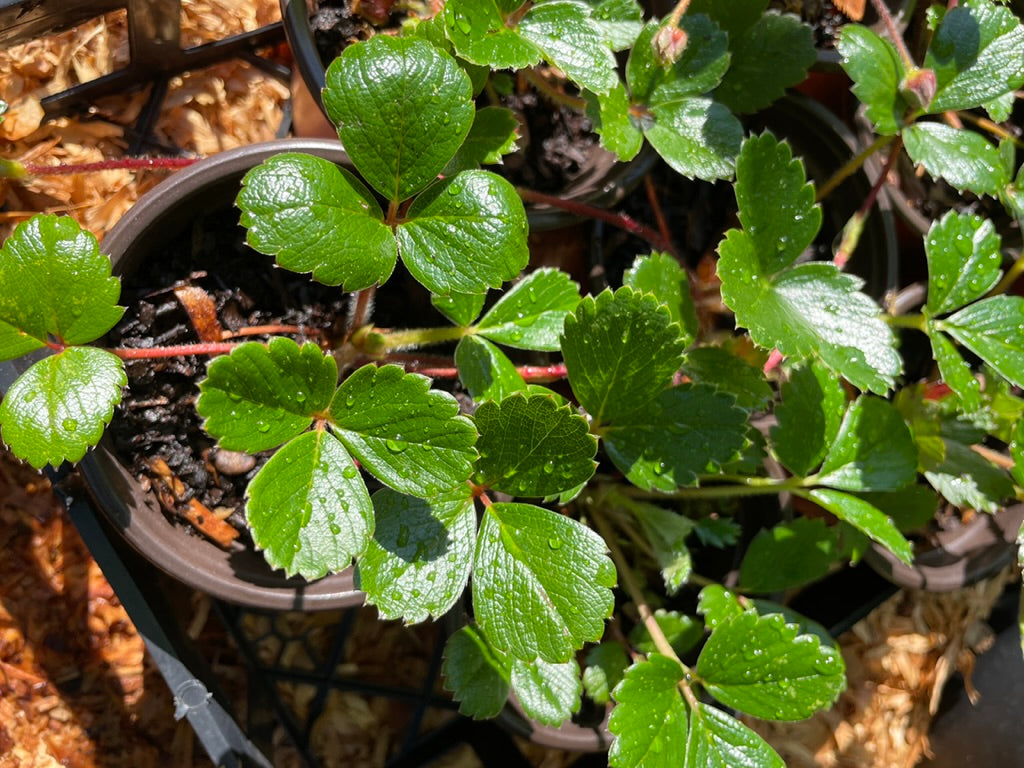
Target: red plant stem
180,350
528,372
620,220
897,38
659,214
847,245
126,163
268,330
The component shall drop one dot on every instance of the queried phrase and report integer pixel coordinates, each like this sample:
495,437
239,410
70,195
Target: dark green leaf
966,479
1017,452
910,509
530,315
402,107
993,329
735,17
477,30
417,563
485,370
717,532
460,308
476,674
603,670
570,41
717,740
541,582
610,117
667,531
319,218
697,71
660,275
308,508
548,693
719,368
955,370
875,68
682,632
698,137
963,261
808,417
763,666
493,135
649,722
718,604
789,555
866,518
965,159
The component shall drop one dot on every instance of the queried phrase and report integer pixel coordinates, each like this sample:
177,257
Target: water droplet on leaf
70,425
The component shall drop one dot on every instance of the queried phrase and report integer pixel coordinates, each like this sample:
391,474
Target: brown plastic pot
240,575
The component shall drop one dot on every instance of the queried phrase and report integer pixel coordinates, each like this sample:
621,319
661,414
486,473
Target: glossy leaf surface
530,315
808,418
478,676
548,693
965,159
485,370
716,740
650,719
993,329
963,261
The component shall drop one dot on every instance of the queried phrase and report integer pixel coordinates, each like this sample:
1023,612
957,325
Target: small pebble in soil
233,462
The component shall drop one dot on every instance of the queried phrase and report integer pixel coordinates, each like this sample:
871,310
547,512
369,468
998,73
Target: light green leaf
661,276
476,674
718,604
465,234
1000,108
493,135
874,450
55,283
963,260
316,217
875,68
531,313
667,531
603,670
548,693
461,308
610,117
866,518
485,370
417,563
649,722
955,371
965,479
57,409
788,555
570,41
717,740
533,446
965,159
697,137
260,396
1017,452
685,431
993,329
403,107
620,351
541,582
719,368
763,666
812,407
682,632
410,437
620,21
477,30
308,508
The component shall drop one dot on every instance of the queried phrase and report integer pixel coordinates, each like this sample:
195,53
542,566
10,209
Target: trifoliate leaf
485,370
788,555
492,136
965,159
874,450
417,563
460,308
808,417
866,518
541,582
964,478
699,138
260,396
55,283
465,234
649,722
410,437
685,431
716,740
316,217
308,508
786,42
478,31
57,409
763,666
682,632
876,70
620,352
660,275
532,446
975,55
476,674
548,693
955,371
402,107
603,670
993,329
963,261
719,368
530,315
610,117
569,40
667,531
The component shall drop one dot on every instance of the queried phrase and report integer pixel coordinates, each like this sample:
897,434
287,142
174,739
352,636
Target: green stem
678,12
852,166
996,130
855,226
897,38
915,322
553,94
762,487
421,337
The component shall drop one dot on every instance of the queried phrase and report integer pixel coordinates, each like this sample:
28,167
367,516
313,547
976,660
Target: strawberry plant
545,511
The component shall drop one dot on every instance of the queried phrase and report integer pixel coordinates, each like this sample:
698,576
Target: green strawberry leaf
763,666
410,437
716,740
461,308
478,676
417,563
865,517
696,72
55,283
667,531
965,159
874,450
541,582
682,632
548,693
485,370
735,18
316,217
609,115
57,409
603,670
718,604
492,136
975,55
964,478
685,431
955,371
649,721
260,396
465,234
403,107
993,329
621,350
697,137
1017,452
719,368
569,40
876,70
479,34
910,508
808,417
531,313
661,276
789,555
532,446
963,261
308,508
620,21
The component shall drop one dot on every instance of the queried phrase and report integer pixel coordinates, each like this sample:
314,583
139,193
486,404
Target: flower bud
669,44
918,87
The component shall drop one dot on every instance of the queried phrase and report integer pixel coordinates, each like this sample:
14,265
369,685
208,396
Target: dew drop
30,396
71,425
555,543
335,529
549,468
395,446
350,400
463,23
300,396
349,472
431,576
262,426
